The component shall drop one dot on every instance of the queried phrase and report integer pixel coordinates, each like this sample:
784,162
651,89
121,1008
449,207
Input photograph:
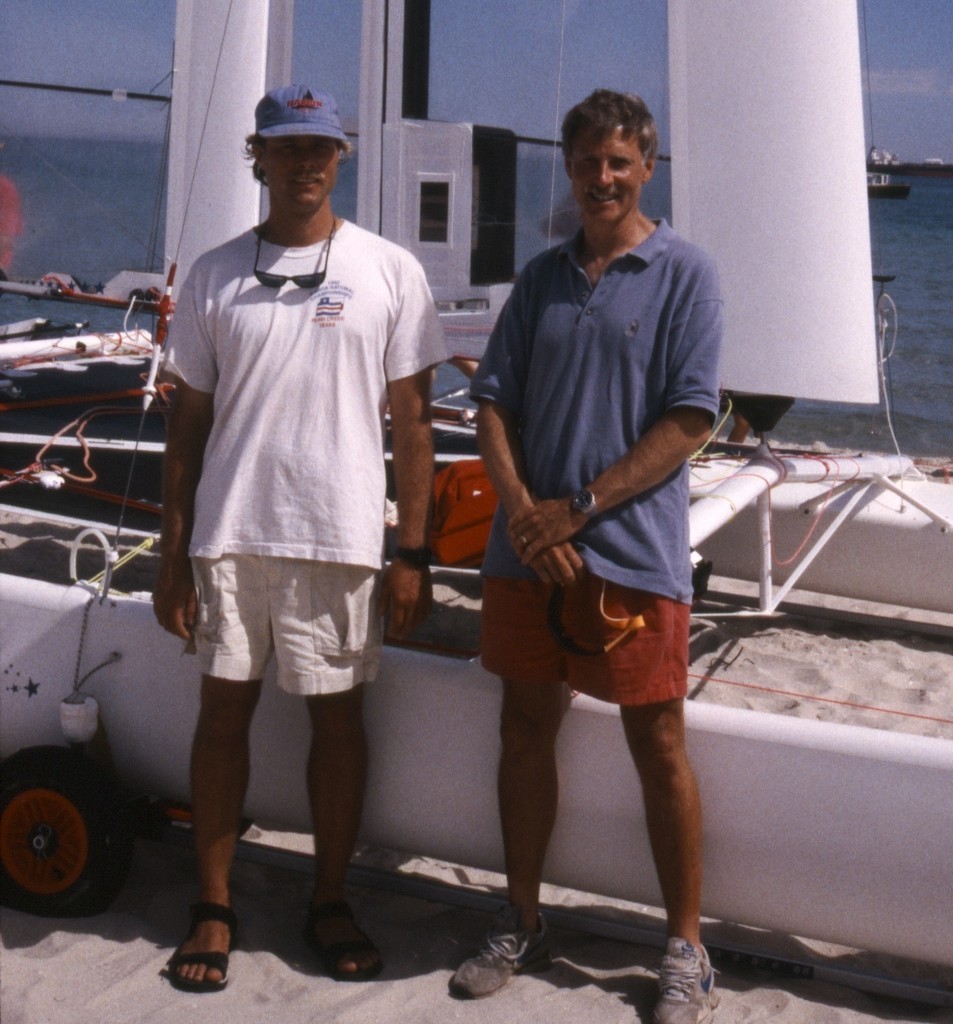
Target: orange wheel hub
43,841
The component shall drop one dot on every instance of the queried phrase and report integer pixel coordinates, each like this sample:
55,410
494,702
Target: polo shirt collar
647,251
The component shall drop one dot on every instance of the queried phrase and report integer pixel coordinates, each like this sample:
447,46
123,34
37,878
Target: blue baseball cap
298,110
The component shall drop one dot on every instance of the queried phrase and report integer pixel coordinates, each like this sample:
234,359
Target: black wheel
65,839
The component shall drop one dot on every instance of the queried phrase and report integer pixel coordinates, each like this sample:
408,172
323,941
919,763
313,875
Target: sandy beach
107,968
879,667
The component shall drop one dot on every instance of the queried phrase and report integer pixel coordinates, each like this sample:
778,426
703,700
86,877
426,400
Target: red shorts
647,666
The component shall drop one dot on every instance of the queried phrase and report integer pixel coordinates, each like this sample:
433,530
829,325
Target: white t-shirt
294,465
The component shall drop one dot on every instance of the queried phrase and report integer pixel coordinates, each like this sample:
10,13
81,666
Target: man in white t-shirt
288,345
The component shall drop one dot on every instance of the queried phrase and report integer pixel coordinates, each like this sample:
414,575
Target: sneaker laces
507,941
509,946
678,977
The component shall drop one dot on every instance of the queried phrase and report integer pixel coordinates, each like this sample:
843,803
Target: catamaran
808,824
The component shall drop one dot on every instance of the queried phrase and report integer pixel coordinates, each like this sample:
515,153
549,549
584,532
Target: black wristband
417,557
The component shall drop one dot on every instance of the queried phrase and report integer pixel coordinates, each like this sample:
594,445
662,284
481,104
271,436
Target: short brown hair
603,111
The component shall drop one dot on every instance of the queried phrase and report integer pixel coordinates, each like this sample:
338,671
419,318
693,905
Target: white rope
110,555
887,328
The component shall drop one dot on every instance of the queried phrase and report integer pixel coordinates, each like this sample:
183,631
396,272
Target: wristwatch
419,558
583,501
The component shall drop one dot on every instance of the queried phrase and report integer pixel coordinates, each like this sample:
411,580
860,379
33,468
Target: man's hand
559,564
406,597
539,530
546,524
190,424
174,600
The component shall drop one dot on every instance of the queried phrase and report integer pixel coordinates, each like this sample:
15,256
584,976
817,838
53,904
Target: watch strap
420,558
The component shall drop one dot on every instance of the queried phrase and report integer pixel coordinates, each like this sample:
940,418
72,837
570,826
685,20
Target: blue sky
505,74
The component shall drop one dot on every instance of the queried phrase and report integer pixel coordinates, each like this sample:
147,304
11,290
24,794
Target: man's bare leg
220,767
337,773
528,786
656,737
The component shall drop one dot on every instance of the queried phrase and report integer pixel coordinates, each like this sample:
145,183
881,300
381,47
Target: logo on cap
298,110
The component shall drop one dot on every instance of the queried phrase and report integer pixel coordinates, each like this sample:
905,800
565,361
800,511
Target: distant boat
882,186
933,167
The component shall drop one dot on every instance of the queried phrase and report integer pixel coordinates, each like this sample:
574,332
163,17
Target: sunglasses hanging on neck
310,281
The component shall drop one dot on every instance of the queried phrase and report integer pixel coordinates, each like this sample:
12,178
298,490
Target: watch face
584,501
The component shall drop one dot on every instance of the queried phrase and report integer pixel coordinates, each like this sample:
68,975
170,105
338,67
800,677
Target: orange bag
464,503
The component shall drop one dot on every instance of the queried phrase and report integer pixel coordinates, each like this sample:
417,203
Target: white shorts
319,619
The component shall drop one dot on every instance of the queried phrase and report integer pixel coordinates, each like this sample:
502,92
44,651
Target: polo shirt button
588,312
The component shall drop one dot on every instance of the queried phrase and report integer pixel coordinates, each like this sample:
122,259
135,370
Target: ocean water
92,208
912,240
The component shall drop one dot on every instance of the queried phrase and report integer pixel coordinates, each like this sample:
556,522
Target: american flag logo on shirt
327,308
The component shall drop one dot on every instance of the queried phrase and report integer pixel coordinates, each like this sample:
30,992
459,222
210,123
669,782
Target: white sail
768,175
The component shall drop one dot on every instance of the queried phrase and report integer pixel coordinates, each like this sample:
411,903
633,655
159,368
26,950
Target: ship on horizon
882,160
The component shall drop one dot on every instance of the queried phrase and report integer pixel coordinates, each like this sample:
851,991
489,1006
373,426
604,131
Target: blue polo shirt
587,371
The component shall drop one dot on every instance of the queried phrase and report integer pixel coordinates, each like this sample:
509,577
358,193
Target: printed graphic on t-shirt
330,306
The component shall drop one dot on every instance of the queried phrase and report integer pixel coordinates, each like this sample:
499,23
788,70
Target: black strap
417,557
554,612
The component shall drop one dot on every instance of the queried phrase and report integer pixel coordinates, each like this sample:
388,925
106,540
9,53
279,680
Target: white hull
808,825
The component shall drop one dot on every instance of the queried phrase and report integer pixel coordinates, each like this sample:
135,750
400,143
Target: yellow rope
146,545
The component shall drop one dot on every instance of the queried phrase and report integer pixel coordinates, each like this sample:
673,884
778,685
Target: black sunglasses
310,281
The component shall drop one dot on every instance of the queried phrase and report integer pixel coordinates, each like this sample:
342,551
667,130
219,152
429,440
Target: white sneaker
509,950
686,985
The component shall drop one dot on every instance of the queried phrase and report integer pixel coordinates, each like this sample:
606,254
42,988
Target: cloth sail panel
768,175
221,70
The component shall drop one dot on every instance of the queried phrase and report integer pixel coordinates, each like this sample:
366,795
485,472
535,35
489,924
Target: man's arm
190,424
663,448
406,592
505,463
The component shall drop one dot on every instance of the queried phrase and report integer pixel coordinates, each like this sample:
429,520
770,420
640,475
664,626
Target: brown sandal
332,953
202,912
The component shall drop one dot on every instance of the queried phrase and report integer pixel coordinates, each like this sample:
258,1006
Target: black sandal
332,953
217,961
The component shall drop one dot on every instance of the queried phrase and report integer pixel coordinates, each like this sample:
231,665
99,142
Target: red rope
74,399
824,700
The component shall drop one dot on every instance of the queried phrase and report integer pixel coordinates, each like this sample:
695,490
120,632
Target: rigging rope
887,326
823,700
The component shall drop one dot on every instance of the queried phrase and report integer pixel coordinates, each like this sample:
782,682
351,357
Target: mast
227,56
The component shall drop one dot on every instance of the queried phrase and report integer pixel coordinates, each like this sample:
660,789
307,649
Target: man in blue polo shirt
600,379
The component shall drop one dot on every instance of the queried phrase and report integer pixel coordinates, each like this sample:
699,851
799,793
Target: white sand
875,669
106,968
